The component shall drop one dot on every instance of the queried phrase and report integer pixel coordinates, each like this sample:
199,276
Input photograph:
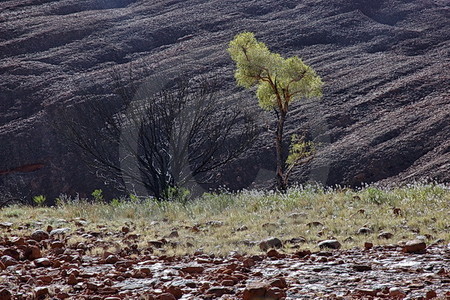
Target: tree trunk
280,177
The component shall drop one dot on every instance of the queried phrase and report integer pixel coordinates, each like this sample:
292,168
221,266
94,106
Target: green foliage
39,200
279,81
376,195
133,198
98,195
116,202
178,194
299,150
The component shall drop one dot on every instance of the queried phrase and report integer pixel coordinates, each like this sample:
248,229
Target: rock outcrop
384,115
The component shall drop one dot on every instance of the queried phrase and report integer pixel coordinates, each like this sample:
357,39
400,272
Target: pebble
40,292
385,235
59,231
269,243
6,225
361,268
42,262
255,290
396,293
192,268
314,224
332,244
165,296
219,291
5,294
430,294
242,228
8,260
39,235
365,230
111,259
368,245
33,252
270,226
17,241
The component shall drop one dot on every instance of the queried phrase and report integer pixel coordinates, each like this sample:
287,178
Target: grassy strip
224,222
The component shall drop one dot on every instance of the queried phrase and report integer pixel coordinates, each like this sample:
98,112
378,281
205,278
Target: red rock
166,296
361,267
415,246
366,292
271,242
12,253
255,290
40,292
176,291
368,245
5,294
17,241
2,266
8,260
73,271
431,295
146,270
227,282
278,282
42,262
72,280
193,268
273,253
39,235
62,295
111,259
32,252
45,279
93,286
57,245
396,293
302,253
275,293
219,291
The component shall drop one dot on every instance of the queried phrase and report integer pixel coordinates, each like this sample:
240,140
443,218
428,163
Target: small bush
98,195
39,200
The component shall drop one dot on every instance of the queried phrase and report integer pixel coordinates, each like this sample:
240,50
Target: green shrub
39,200
98,195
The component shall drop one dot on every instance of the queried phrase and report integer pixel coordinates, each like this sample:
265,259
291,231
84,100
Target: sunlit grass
312,213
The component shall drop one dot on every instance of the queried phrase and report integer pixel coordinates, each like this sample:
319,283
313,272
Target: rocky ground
44,265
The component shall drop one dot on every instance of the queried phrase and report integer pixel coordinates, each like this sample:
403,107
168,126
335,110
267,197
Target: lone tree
279,82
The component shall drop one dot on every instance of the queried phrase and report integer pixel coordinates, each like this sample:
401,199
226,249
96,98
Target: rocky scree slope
384,115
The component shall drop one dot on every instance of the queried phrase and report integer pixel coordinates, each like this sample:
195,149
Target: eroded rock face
384,114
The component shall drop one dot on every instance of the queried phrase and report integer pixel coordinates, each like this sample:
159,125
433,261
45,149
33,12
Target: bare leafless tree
156,139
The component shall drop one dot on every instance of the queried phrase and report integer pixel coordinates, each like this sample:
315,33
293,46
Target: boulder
415,246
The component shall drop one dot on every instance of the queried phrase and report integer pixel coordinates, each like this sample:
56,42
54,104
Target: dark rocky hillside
385,114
